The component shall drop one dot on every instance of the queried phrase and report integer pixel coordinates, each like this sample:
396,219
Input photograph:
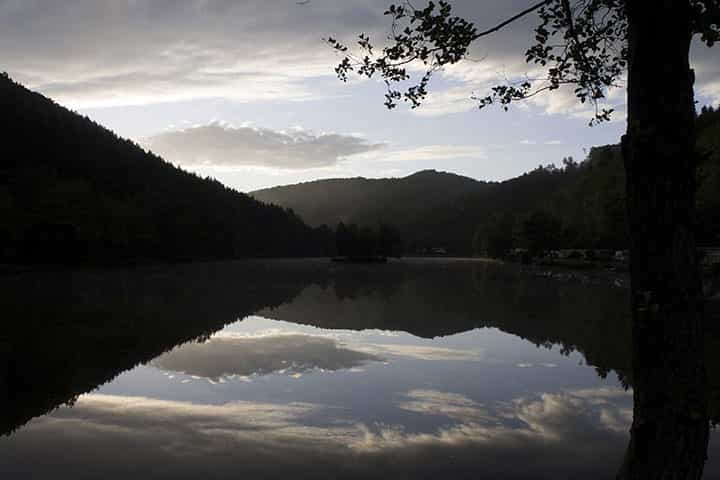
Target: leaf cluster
431,36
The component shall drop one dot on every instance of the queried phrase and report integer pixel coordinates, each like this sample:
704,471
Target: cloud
451,405
711,90
221,145
568,421
478,82
564,102
447,101
90,53
281,353
547,142
423,352
706,62
429,153
147,51
708,81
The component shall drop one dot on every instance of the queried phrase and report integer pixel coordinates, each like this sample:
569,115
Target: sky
245,91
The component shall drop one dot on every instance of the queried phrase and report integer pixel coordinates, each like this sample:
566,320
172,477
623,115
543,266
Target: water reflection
562,433
415,369
292,353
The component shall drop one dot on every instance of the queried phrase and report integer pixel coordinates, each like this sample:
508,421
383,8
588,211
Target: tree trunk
670,428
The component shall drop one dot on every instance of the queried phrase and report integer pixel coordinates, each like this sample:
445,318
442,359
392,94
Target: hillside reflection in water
429,369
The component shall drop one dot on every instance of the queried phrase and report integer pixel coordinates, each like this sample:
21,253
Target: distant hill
582,203
408,203
430,208
368,201
72,191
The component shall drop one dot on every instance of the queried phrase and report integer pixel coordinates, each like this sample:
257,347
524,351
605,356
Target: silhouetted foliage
494,236
539,232
354,241
72,191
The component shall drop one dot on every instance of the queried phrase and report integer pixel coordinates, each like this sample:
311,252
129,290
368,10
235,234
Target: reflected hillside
432,298
587,313
64,334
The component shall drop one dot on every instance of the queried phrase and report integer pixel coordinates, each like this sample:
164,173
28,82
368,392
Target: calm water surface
417,369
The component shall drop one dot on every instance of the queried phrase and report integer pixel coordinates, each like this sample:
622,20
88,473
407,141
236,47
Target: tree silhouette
590,45
539,232
353,241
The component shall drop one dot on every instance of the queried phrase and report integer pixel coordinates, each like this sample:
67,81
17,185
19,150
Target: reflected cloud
565,434
424,352
451,405
568,421
291,354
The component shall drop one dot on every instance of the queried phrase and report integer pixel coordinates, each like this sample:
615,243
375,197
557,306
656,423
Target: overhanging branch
512,19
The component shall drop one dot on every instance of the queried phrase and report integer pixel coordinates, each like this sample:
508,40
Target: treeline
356,242
581,207
72,191
584,204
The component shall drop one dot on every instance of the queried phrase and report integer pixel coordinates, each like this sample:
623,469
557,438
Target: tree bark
669,435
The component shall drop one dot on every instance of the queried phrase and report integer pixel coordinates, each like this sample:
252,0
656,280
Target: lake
421,368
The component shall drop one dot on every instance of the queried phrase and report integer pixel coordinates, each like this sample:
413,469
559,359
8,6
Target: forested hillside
572,205
72,191
369,201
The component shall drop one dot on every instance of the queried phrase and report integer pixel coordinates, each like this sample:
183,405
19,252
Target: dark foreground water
307,369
